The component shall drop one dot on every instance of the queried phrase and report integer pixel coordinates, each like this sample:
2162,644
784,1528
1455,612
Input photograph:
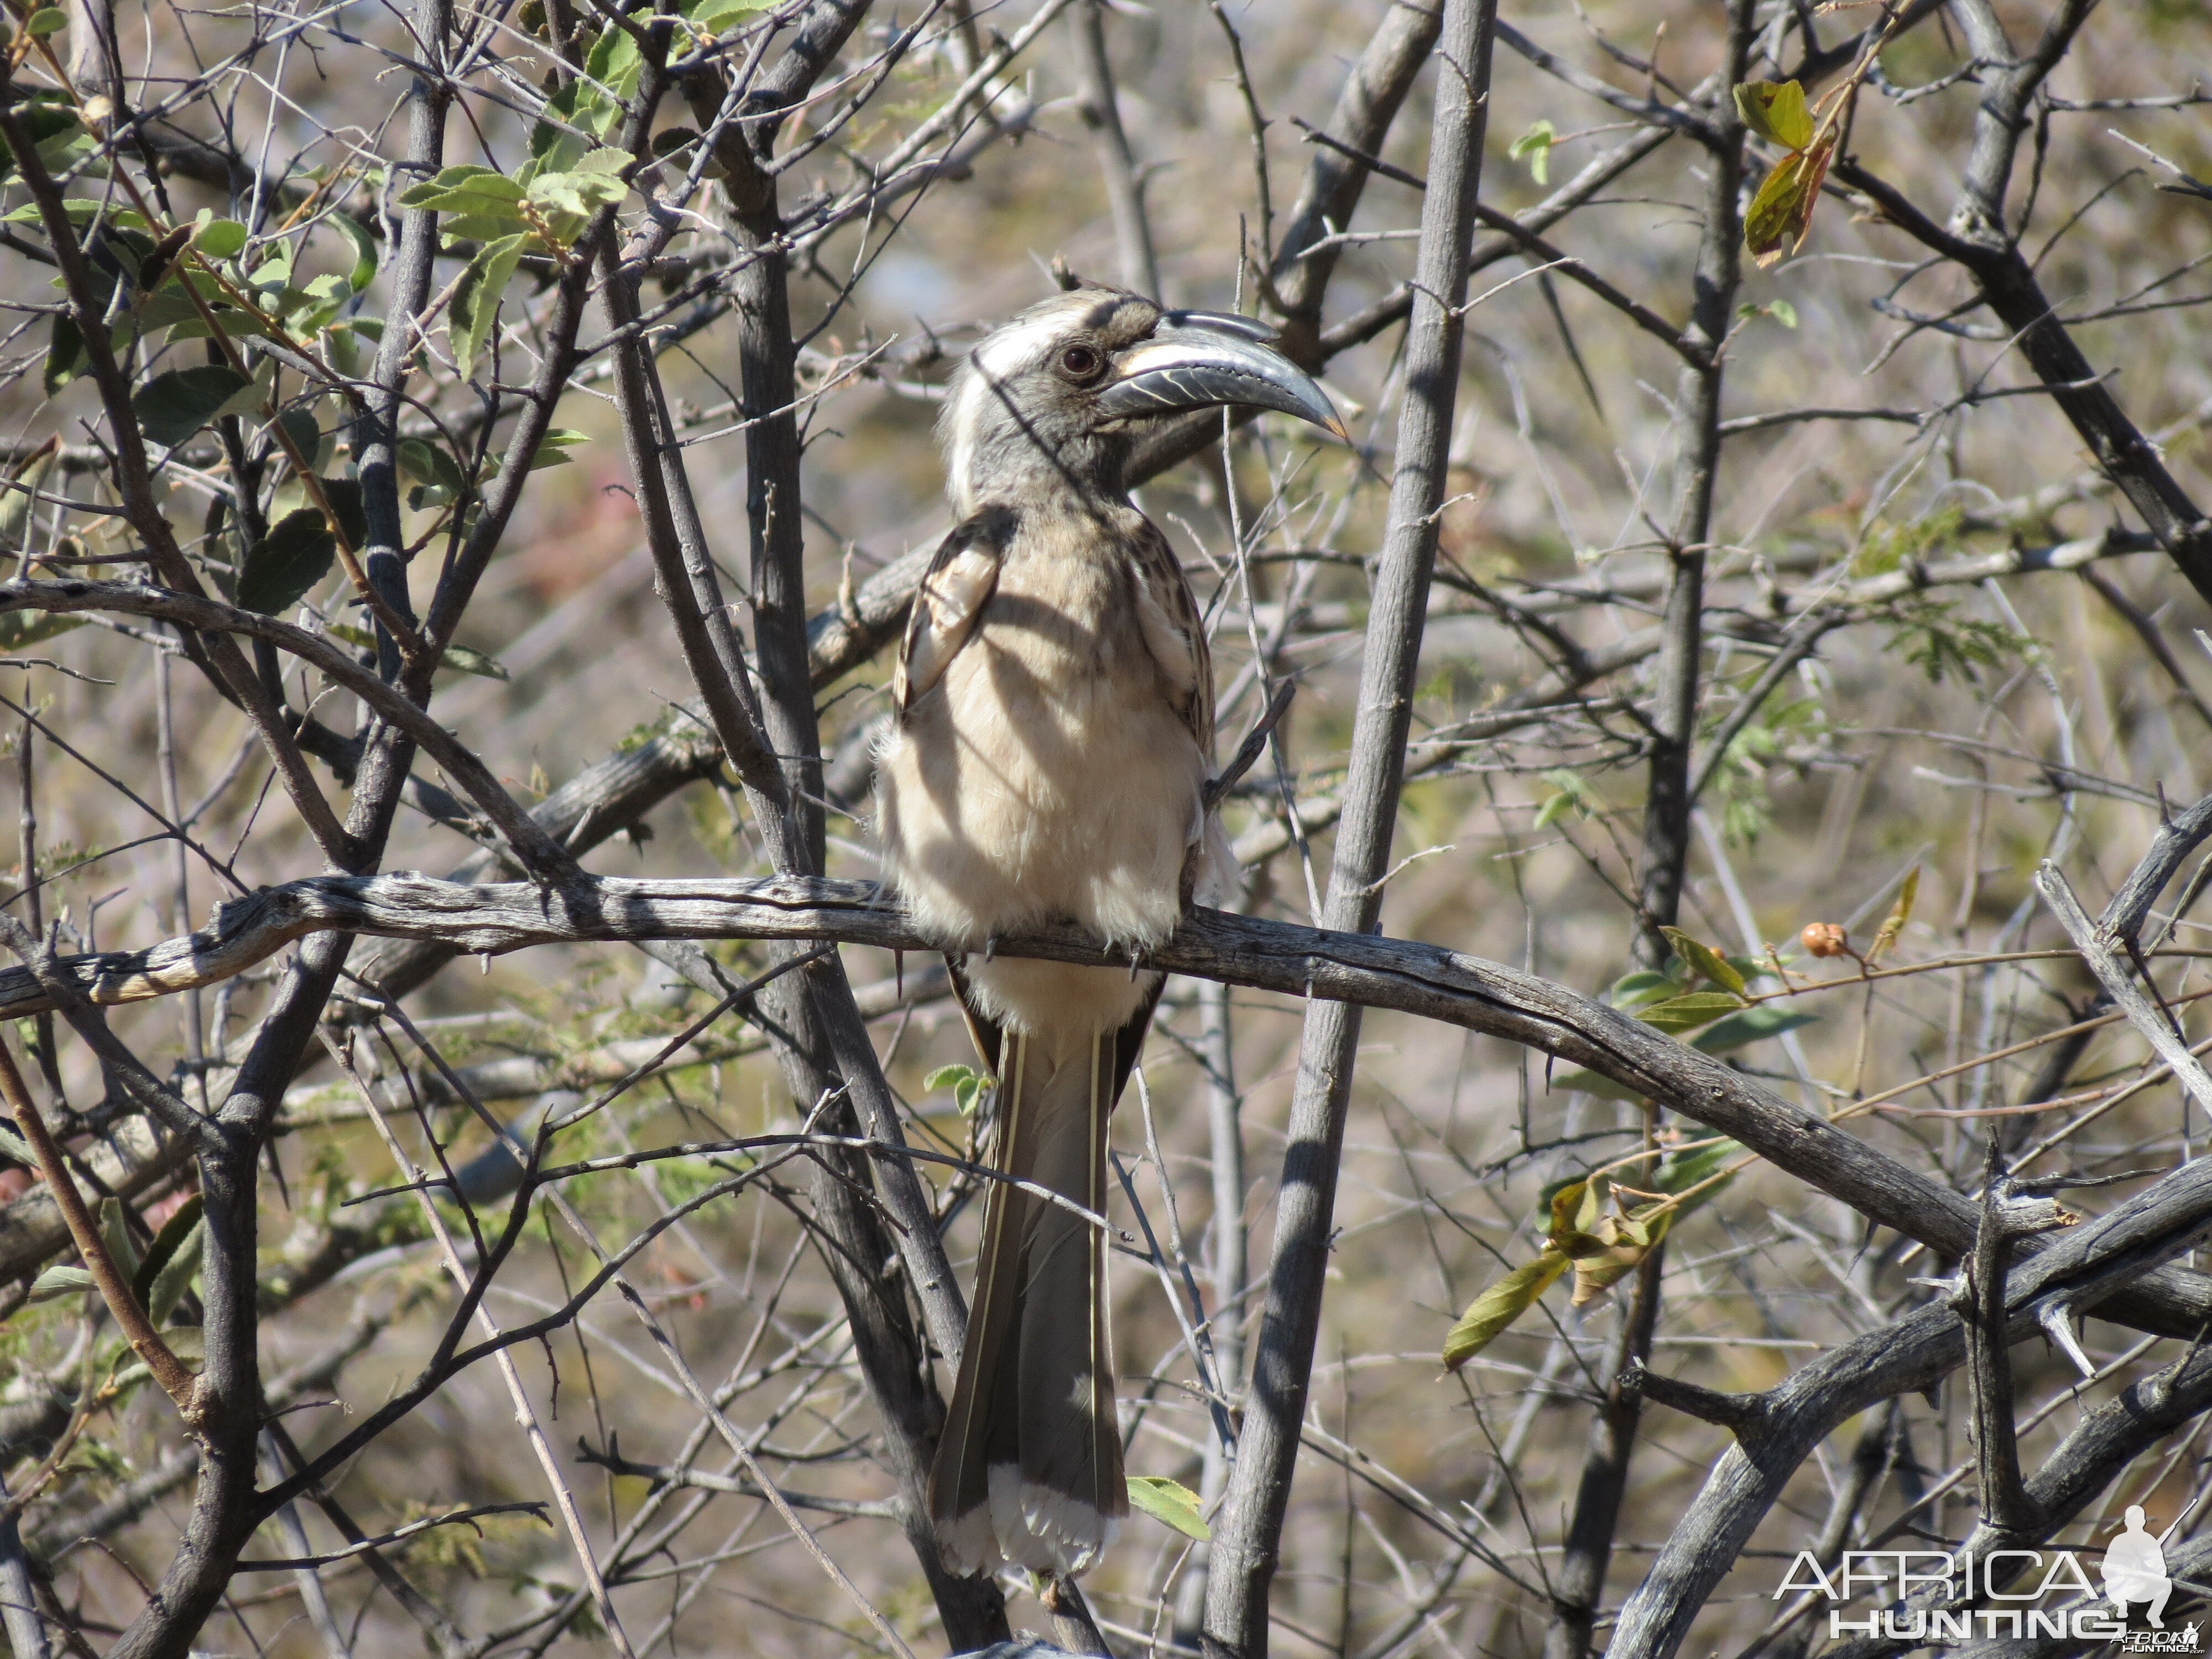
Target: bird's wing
958,584
1174,634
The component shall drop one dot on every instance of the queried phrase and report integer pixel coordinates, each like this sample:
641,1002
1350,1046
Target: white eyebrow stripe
1016,346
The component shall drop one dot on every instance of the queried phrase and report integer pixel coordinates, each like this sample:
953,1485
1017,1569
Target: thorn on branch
2058,1322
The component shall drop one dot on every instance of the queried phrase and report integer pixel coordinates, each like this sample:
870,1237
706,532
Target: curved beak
1203,360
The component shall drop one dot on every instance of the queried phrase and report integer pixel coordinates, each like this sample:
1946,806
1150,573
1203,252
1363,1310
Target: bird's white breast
1047,777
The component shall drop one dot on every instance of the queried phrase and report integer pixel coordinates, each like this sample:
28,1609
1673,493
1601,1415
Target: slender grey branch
1738,1413
1117,163
211,616
2154,1024
2178,837
1247,1534
670,1475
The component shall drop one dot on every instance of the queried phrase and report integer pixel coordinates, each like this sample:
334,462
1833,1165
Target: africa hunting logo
1934,1598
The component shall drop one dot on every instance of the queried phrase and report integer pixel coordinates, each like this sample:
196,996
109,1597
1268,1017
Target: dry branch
1368,970
2089,1265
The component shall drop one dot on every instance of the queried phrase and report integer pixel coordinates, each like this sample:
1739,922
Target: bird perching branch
1247,1535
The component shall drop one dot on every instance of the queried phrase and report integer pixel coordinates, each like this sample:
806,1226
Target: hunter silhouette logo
1937,1599
2135,1570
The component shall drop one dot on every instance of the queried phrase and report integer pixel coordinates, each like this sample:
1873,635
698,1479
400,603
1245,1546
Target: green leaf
966,1082
1625,1245
1490,1313
1705,961
1535,147
65,354
1574,794
299,425
455,656
615,63
344,496
440,481
221,239
472,192
20,628
282,566
429,463
553,145
1679,1171
81,211
187,1342
169,306
475,301
314,308
553,447
713,16
167,1285
171,407
1749,1026
1571,1213
1646,985
1781,210
52,125
1687,1014
471,661
1776,112
1169,1503
343,340
364,249
162,1251
47,19
115,1233
1570,1206
59,1282
568,200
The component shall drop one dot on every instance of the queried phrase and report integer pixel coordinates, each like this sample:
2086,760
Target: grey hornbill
1048,762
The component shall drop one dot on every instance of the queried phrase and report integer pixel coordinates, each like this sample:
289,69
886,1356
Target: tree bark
1247,1534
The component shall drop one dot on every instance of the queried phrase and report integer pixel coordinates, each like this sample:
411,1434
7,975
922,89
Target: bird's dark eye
1079,363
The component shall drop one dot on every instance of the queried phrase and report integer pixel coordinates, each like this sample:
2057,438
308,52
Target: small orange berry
1824,939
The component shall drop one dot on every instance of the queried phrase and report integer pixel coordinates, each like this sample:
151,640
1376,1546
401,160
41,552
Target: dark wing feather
1174,631
948,603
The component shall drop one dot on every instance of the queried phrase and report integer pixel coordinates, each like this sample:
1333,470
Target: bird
1047,762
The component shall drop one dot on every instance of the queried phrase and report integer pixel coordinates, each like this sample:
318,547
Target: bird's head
1056,400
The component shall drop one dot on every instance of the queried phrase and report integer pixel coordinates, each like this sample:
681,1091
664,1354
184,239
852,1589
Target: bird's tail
1030,1467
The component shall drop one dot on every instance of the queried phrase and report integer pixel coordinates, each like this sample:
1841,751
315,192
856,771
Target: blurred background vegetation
1962,723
